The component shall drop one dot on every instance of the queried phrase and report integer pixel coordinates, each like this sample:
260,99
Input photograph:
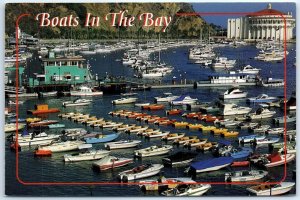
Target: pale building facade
267,24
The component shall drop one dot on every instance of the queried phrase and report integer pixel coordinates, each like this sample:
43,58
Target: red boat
156,107
174,112
240,164
42,153
42,109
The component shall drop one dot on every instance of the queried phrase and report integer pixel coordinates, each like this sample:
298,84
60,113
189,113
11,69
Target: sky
238,7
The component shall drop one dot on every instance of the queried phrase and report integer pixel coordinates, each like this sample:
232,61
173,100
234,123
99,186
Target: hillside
180,27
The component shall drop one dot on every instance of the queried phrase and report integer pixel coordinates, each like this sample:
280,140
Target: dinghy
139,172
122,144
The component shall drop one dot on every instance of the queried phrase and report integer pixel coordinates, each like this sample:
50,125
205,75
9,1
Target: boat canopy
212,163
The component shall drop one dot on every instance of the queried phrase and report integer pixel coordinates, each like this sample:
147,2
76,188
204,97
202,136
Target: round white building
267,24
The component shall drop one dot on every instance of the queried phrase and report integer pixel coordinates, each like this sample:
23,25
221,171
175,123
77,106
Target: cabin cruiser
249,70
233,93
183,100
233,109
263,98
166,98
124,101
261,113
86,91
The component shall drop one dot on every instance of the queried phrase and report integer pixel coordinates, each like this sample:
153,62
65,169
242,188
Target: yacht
233,109
233,93
86,91
249,70
261,113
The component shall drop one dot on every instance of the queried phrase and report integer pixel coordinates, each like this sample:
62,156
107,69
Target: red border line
136,183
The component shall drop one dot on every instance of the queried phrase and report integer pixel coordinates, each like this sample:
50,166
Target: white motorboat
183,100
153,151
270,82
275,131
139,172
86,91
260,129
245,175
166,98
62,146
141,104
271,190
261,113
233,109
266,141
12,127
157,134
187,190
32,139
77,102
124,101
287,119
88,154
263,98
233,93
14,103
122,144
248,69
223,63
111,162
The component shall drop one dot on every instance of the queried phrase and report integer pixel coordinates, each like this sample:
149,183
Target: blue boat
211,165
19,120
241,152
100,138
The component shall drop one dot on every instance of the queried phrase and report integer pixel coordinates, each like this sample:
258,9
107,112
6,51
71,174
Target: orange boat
156,107
166,122
191,115
210,118
240,164
42,153
174,112
42,109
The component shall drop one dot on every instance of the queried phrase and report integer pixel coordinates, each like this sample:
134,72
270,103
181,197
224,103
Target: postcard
150,99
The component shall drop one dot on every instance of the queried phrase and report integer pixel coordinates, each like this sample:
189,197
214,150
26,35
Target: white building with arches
267,24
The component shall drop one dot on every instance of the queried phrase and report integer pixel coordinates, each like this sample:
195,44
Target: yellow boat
180,124
32,120
184,139
195,142
194,126
219,131
230,134
206,146
208,128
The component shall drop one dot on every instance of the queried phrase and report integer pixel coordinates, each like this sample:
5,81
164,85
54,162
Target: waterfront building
266,24
68,70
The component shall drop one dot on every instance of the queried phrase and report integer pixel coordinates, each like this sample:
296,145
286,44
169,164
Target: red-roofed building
266,24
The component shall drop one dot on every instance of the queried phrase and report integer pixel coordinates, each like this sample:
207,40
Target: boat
154,107
250,138
271,189
153,151
157,134
35,119
260,128
261,113
195,142
128,94
275,131
230,134
270,82
287,119
240,164
272,160
211,164
206,146
263,98
32,139
168,97
179,158
10,102
245,175
85,91
56,126
183,140
140,172
12,127
194,126
42,109
173,136
122,144
62,146
86,154
174,112
100,138
187,190
266,141
141,104
43,153
162,183
233,93
240,152
48,94
42,123
248,69
180,124
183,100
77,102
223,63
111,162
128,100
233,109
